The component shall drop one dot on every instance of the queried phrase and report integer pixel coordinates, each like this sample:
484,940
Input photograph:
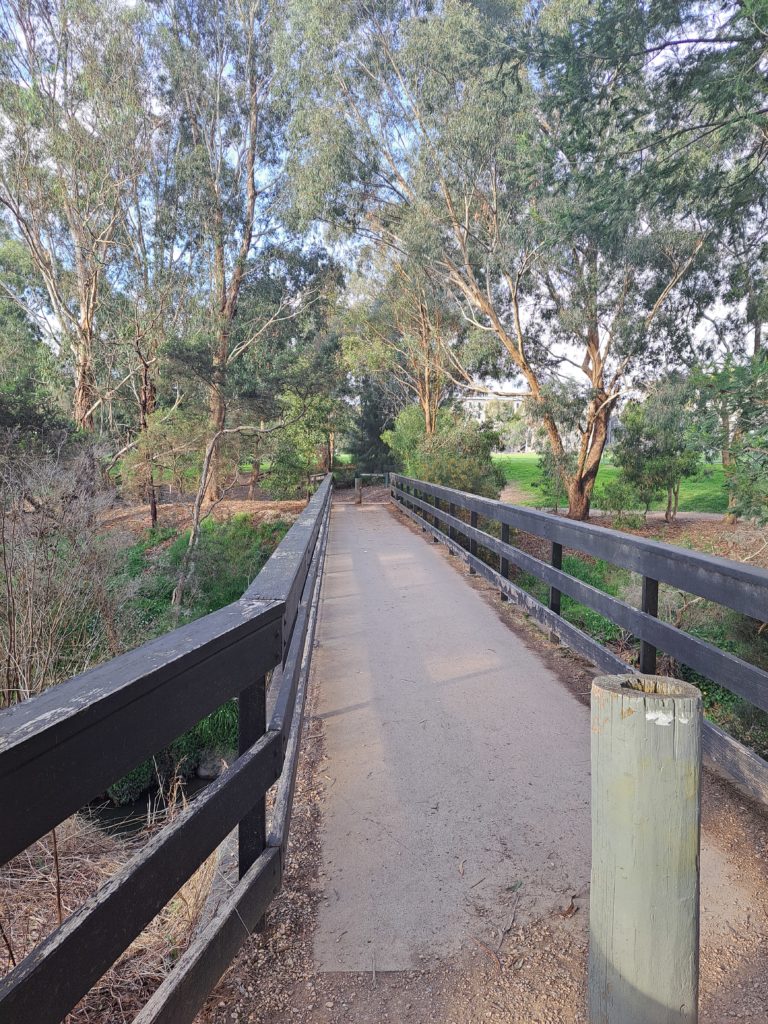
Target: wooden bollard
358,491
644,900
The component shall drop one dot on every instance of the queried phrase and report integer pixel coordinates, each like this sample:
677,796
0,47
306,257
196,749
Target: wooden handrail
64,747
743,588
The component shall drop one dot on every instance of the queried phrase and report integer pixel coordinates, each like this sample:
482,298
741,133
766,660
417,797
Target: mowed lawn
704,492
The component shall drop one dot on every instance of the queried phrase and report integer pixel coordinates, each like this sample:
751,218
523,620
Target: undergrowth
725,629
229,556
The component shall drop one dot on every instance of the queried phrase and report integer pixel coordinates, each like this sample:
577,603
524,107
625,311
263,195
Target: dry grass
134,519
53,877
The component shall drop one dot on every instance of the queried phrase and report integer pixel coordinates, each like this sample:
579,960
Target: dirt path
437,777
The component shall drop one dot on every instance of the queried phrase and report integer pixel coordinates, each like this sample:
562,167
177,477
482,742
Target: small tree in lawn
658,445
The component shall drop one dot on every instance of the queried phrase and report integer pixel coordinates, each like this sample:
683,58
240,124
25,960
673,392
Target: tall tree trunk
581,483
147,401
217,415
727,460
85,386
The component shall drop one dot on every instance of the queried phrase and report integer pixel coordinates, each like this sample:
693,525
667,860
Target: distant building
477,406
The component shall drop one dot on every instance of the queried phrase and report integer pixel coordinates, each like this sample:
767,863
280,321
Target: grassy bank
229,555
728,630
706,492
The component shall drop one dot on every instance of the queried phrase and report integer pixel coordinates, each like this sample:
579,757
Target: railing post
644,896
436,521
472,543
252,724
358,490
650,604
451,529
504,562
556,562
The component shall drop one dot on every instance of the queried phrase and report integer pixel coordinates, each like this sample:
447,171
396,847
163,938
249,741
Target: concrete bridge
453,874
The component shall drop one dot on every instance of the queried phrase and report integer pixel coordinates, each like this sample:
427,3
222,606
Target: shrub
457,455
229,555
553,471
617,497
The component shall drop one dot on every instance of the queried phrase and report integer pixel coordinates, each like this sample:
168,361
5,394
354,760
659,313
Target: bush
618,497
553,471
228,557
457,455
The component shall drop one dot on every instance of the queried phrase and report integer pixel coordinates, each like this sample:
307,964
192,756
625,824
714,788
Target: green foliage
658,444
618,497
229,555
407,435
375,415
302,447
457,454
553,472
734,416
706,492
31,381
597,574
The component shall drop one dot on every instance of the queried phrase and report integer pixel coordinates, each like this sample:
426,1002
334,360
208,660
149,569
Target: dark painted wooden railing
743,588
62,749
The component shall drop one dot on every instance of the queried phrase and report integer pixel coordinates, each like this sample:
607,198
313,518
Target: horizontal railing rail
740,587
63,748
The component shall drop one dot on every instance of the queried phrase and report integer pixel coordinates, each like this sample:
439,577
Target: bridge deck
457,779
460,787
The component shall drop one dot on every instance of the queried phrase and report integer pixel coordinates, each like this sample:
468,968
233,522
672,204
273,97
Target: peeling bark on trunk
581,484
217,415
85,388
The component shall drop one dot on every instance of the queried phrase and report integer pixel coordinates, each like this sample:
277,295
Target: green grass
725,629
705,492
343,458
229,555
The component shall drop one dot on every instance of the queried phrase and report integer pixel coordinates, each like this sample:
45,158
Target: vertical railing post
358,490
644,896
650,604
451,529
472,542
436,521
556,562
504,562
252,724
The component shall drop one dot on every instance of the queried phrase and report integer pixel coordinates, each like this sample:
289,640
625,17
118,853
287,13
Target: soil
134,519
522,974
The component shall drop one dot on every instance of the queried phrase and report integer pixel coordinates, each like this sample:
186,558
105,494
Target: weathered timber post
472,543
452,532
556,562
644,901
436,521
504,562
252,724
358,490
650,604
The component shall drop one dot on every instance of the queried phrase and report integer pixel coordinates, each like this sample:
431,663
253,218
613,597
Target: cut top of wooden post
646,689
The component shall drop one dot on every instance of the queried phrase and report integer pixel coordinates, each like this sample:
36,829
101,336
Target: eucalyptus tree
218,66
448,132
73,128
405,332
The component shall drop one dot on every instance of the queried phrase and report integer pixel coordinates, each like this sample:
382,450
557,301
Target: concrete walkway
457,789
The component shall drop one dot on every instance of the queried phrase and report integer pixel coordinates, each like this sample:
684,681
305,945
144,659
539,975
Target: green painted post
644,899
